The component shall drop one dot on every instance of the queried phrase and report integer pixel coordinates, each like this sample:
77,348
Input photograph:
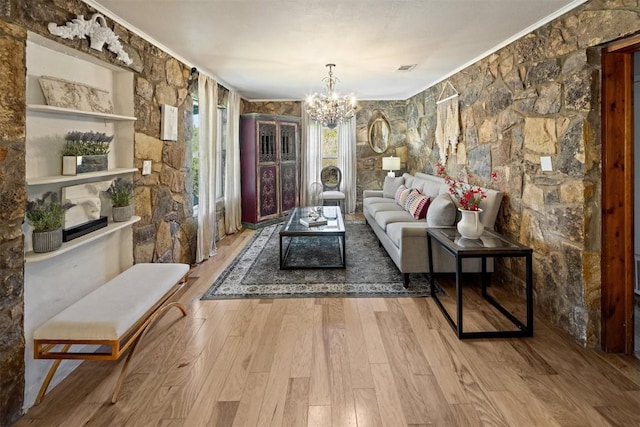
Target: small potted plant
46,215
85,152
120,192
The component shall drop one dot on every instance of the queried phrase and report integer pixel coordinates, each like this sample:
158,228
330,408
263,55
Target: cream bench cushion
111,310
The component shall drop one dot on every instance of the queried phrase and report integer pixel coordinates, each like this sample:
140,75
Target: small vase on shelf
46,241
469,225
122,213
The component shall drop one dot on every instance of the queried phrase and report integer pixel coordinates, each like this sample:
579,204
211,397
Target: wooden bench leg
50,374
143,329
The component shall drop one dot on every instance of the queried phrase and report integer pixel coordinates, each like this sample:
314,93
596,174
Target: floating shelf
79,113
31,257
42,180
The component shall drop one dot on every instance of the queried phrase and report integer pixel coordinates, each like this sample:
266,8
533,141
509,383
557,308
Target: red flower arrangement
466,196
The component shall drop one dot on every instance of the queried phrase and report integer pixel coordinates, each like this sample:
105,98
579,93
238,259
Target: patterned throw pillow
417,204
401,195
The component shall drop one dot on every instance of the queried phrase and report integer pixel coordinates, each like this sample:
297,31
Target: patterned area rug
256,273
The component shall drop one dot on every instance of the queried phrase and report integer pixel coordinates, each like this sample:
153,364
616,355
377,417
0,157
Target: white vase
469,225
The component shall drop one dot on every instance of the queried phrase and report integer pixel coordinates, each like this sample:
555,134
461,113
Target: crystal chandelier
328,108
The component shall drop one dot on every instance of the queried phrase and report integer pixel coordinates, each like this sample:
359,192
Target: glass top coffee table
295,234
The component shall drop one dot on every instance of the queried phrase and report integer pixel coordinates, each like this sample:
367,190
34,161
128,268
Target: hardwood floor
344,362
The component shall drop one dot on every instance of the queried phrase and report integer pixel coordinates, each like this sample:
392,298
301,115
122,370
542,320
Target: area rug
369,272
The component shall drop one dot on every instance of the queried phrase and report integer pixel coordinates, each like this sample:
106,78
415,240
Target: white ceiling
277,49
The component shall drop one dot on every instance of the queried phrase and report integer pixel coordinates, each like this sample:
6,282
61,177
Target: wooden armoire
270,163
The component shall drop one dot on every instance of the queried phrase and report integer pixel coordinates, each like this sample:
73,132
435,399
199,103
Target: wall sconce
391,164
192,82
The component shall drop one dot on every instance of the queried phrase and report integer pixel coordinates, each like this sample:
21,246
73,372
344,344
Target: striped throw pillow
417,205
401,195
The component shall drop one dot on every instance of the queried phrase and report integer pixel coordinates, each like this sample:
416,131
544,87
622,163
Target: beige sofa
404,238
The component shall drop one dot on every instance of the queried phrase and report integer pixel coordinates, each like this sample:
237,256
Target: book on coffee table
313,222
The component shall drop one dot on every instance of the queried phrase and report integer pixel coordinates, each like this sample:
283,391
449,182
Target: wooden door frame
617,196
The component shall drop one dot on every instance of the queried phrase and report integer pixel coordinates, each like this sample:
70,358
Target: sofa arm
372,193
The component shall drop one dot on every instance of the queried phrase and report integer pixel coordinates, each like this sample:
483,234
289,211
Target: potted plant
46,215
120,192
85,152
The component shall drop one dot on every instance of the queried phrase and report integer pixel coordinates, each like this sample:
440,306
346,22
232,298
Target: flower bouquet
465,195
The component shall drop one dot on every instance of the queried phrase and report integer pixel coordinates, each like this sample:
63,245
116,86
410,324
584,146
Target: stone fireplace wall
163,199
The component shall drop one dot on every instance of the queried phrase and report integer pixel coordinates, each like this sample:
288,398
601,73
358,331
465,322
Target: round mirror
379,133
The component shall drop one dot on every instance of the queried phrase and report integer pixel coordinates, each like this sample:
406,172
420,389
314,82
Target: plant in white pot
85,152
121,193
46,216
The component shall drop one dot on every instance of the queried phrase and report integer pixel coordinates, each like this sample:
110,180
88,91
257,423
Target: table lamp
391,164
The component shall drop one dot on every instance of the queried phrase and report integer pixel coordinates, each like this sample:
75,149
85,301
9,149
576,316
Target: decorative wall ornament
96,29
74,95
447,123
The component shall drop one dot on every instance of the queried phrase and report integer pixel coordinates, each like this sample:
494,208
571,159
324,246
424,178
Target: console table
490,245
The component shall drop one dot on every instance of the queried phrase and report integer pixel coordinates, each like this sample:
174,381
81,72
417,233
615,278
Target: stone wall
537,97
12,205
279,108
370,174
163,199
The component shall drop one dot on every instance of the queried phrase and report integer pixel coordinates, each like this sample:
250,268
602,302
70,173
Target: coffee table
490,245
294,229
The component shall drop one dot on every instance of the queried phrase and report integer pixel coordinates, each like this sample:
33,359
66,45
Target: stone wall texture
539,96
370,174
279,108
12,205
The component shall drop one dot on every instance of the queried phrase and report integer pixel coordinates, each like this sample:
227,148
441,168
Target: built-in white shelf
78,113
43,180
31,257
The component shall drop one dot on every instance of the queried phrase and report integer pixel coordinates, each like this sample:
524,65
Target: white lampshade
391,164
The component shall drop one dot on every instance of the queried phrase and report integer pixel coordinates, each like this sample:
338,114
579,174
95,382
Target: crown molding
148,38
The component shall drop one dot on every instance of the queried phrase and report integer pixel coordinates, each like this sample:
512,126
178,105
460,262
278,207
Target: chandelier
328,108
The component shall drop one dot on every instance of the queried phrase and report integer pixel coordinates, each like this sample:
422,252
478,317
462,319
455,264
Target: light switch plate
146,167
545,164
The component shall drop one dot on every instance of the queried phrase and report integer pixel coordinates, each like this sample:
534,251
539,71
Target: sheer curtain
232,196
311,155
347,163
208,117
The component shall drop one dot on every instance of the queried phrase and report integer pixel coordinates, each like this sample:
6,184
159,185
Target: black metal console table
490,245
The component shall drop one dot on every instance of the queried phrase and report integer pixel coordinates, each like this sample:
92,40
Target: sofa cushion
387,217
417,204
374,208
395,231
442,211
391,185
370,201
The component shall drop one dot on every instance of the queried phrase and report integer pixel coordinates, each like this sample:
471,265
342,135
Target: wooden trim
617,201
630,44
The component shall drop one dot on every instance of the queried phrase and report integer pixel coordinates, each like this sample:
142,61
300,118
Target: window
329,147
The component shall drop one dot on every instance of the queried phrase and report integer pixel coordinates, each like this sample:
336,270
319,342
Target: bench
114,316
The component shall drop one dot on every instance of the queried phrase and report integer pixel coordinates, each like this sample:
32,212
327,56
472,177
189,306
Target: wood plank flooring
345,362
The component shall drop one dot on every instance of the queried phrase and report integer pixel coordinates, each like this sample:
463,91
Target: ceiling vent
406,67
